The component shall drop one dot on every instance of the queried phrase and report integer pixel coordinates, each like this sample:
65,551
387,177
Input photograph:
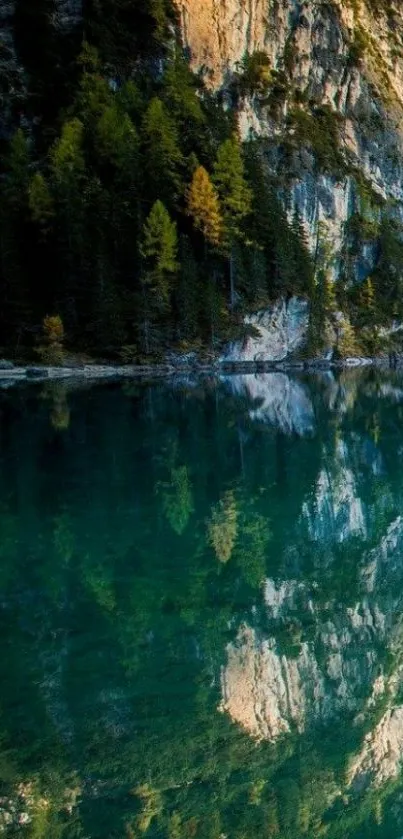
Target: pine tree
116,140
40,201
203,206
180,92
51,351
67,166
328,294
68,184
163,159
67,158
366,303
235,197
95,94
158,250
304,279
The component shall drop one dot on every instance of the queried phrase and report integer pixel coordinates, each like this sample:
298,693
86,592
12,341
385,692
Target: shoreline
92,372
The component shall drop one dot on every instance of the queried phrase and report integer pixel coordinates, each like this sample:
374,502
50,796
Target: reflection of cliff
278,400
381,757
336,512
320,660
264,692
268,692
272,687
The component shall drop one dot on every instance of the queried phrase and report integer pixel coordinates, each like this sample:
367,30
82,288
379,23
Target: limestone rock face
341,55
280,331
220,32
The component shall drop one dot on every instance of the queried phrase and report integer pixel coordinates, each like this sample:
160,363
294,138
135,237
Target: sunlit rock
280,332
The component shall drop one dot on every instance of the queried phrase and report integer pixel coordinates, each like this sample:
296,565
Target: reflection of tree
151,802
222,526
57,393
177,499
100,583
63,538
253,541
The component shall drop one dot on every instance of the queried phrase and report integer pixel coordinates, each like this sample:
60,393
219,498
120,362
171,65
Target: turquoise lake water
201,609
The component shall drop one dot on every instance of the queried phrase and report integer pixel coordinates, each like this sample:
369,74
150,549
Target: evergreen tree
389,271
180,93
163,159
366,300
17,172
158,249
68,183
235,197
67,158
94,94
40,201
203,206
304,279
117,141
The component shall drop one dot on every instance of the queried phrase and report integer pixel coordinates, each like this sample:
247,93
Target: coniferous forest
132,218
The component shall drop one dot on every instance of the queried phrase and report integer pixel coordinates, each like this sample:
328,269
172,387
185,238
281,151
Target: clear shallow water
201,624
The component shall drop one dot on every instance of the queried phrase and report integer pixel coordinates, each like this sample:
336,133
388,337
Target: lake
201,606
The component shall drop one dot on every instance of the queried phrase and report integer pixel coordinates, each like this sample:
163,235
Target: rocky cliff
319,87
330,118
342,56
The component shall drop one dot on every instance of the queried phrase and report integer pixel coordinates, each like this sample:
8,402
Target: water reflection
201,591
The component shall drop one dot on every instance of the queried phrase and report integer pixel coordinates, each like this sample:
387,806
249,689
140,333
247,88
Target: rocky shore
10,372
